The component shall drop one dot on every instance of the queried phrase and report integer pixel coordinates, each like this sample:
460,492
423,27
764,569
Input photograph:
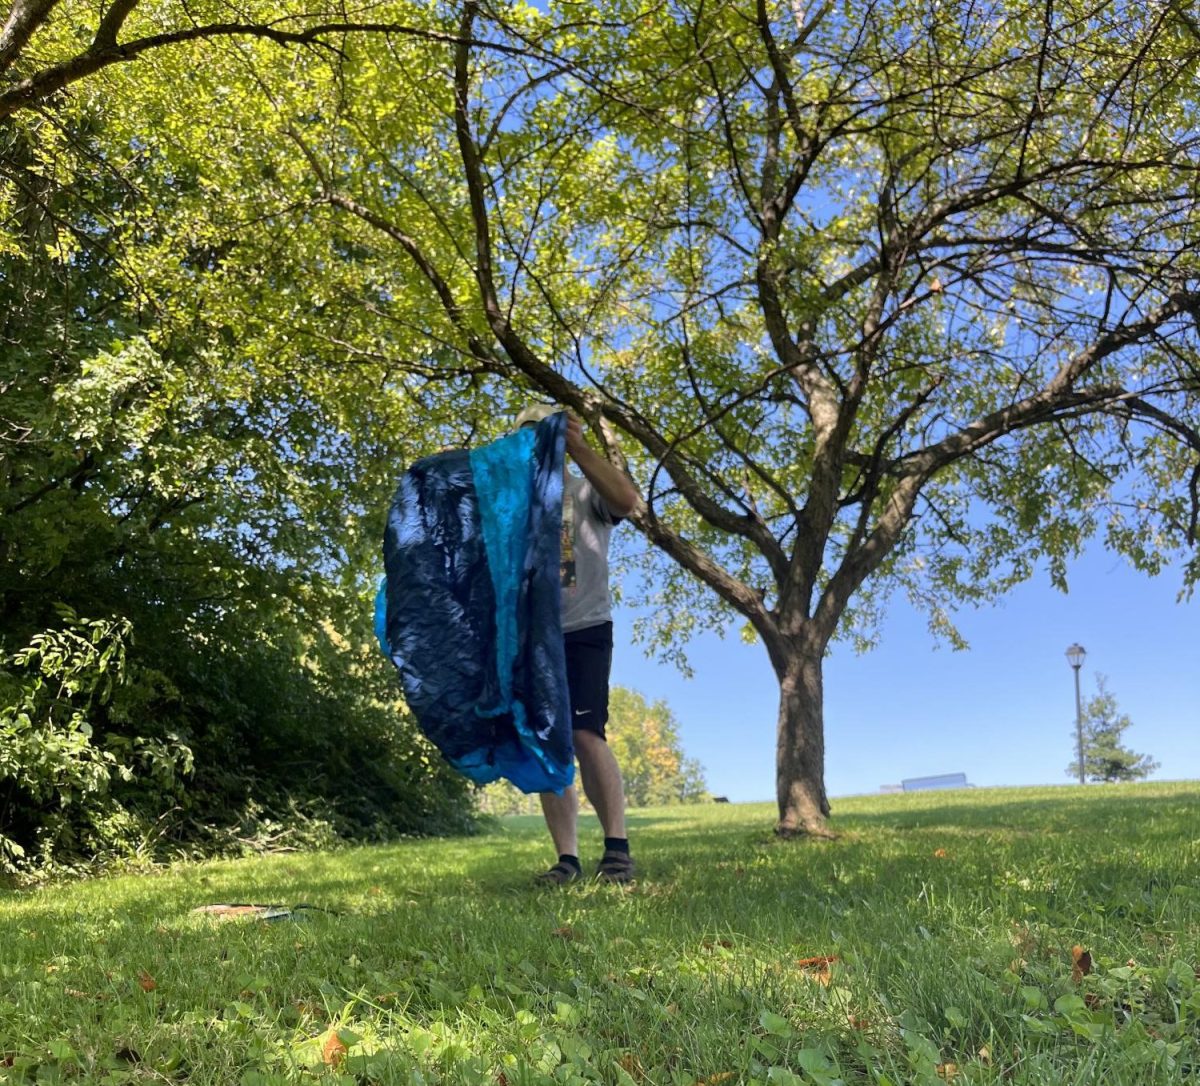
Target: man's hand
575,440
615,487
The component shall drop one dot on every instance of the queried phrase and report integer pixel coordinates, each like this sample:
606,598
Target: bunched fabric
469,610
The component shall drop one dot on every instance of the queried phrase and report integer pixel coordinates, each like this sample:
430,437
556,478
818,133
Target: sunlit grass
951,918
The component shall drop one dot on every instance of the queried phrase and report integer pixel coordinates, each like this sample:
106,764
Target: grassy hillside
932,942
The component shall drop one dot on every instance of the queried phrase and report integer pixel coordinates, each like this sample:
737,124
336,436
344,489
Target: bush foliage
186,536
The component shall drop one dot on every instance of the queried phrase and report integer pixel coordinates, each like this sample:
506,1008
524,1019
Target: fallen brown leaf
717,1079
985,1054
334,1051
817,968
1024,939
632,1065
940,853
146,982
565,932
947,1070
1082,963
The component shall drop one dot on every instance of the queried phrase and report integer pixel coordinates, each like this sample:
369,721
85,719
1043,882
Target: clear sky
1003,712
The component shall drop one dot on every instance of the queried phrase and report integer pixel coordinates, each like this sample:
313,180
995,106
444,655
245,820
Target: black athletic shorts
589,660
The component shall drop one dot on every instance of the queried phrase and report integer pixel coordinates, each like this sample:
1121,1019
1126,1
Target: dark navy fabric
470,608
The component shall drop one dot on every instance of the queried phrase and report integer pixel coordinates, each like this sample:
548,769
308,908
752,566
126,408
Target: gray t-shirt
587,525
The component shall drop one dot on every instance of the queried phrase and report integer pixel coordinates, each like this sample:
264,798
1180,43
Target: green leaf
781,1076
775,1024
1034,998
955,1017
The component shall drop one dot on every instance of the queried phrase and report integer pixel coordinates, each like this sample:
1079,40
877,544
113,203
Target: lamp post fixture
1075,655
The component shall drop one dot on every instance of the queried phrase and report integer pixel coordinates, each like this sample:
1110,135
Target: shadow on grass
1042,813
687,848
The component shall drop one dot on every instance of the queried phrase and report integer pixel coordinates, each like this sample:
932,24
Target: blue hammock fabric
470,608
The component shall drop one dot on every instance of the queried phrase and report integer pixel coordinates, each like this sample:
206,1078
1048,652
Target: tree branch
1058,395
560,388
110,25
102,54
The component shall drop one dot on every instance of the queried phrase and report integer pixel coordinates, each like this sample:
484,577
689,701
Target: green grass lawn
951,919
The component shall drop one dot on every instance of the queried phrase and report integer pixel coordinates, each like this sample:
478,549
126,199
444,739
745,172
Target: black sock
573,861
616,844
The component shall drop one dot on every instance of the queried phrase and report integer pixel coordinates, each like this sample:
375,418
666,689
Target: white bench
944,780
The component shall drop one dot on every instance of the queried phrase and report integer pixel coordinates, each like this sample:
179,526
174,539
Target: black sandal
615,867
559,875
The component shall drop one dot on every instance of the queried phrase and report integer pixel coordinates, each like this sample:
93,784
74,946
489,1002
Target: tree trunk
800,754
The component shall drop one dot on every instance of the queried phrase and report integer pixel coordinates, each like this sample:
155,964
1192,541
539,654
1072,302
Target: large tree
872,297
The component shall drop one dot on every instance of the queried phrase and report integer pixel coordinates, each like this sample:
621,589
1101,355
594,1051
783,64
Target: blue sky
1003,712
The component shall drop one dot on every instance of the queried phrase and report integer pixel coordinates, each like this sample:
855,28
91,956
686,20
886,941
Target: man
592,505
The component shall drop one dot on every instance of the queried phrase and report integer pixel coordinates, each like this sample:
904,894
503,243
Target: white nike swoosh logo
582,712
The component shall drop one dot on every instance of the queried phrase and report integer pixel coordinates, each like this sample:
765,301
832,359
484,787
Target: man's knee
588,744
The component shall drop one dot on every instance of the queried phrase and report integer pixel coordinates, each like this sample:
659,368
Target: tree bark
24,17
800,752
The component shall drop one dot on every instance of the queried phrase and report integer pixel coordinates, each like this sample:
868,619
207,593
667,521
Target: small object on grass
225,911
818,968
334,1050
1082,963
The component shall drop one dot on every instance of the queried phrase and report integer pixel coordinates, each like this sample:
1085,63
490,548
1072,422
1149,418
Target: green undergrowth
1038,936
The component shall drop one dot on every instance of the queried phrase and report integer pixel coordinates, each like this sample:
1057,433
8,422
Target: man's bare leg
562,816
602,782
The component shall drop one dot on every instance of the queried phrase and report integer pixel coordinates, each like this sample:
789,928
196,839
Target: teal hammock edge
503,474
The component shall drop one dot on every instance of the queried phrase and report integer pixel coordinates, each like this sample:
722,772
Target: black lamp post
1075,655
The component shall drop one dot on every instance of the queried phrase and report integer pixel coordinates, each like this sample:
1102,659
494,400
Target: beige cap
535,412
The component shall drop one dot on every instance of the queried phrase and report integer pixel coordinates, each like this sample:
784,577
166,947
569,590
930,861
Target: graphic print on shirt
567,566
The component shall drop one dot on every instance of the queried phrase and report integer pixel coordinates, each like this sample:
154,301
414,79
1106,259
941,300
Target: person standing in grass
592,505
